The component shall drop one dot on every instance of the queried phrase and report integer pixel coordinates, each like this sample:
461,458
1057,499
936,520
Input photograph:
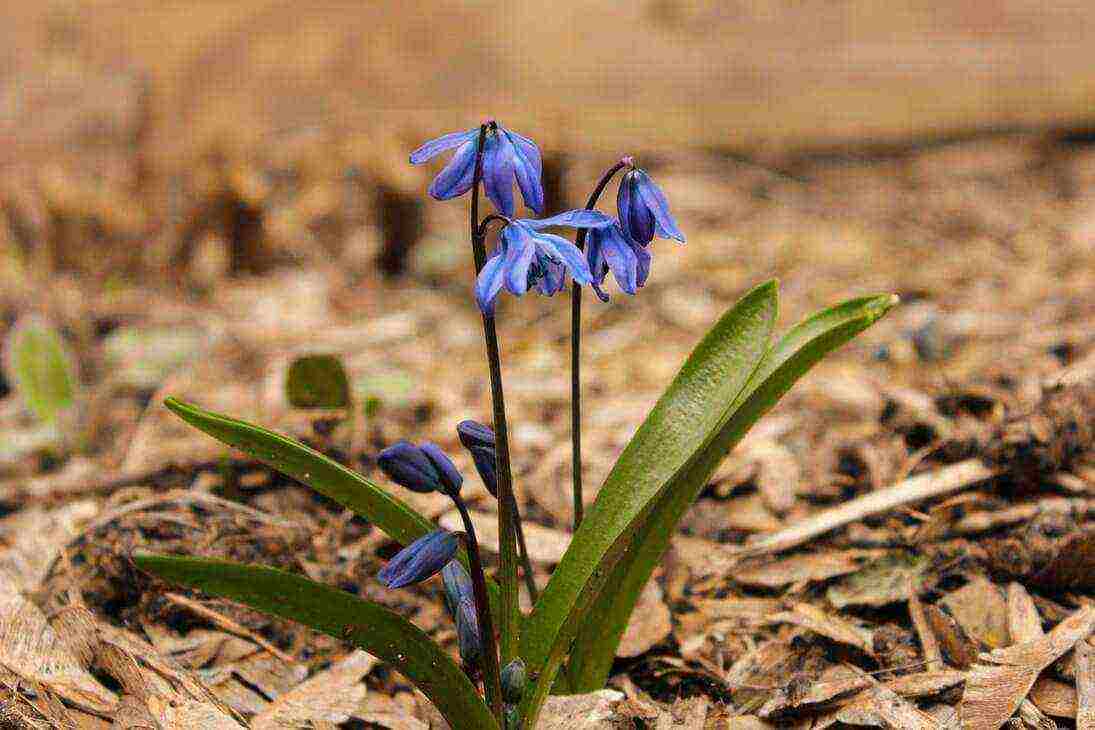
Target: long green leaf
290,457
326,476
379,631
804,345
668,439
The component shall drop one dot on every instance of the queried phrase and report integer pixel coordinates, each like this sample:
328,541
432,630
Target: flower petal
658,205
637,221
620,257
642,254
520,250
436,146
456,178
450,478
498,173
552,279
529,168
489,282
595,256
559,249
578,218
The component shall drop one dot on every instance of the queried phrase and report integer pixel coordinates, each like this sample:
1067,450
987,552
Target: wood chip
803,568
914,489
649,625
995,690
593,711
879,706
1054,697
929,645
1085,686
981,611
1024,623
332,695
926,684
809,616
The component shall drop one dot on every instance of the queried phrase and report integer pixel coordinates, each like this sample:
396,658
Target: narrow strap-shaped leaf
331,479
379,631
326,476
685,415
804,345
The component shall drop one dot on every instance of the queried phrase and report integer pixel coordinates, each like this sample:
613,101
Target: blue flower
478,439
422,559
423,468
507,155
611,249
527,257
644,210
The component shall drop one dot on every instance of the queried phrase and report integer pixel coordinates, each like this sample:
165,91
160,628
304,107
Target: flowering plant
567,642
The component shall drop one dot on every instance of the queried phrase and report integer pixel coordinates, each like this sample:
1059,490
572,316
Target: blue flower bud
644,209
450,478
423,468
514,677
422,559
468,638
408,466
458,586
478,439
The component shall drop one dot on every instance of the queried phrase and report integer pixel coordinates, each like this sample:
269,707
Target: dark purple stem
575,346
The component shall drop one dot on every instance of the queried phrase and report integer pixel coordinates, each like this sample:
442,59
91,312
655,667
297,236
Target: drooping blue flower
422,559
507,156
423,468
527,257
610,249
644,209
478,439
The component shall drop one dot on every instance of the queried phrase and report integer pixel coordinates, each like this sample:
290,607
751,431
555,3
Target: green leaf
317,381
803,346
326,476
379,631
684,417
351,490
41,369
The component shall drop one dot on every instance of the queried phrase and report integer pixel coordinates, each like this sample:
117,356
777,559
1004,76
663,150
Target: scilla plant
566,644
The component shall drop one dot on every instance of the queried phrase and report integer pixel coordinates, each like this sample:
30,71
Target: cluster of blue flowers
528,258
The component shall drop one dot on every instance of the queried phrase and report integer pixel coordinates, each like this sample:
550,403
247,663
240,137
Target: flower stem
575,352
507,548
491,672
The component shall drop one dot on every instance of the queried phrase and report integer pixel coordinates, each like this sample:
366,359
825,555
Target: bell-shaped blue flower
527,257
644,209
421,560
423,468
507,156
609,249
478,439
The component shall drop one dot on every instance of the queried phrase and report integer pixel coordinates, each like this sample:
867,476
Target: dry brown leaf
593,711
32,651
929,644
650,623
957,647
389,712
926,684
1054,697
835,682
995,690
1085,685
838,629
800,569
1024,623
981,611
879,707
332,695
879,583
